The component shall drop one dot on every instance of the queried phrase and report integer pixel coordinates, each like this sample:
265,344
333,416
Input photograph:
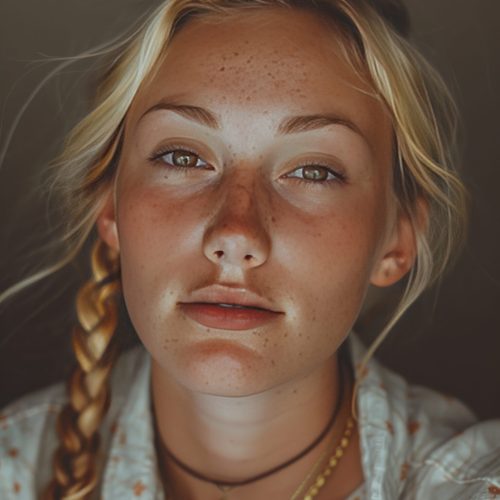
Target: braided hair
76,458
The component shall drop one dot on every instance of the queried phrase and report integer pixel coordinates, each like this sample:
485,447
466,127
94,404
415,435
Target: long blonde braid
76,458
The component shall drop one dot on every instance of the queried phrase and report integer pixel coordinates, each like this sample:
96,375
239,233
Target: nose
236,236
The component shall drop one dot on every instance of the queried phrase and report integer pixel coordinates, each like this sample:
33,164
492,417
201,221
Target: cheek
157,245
327,262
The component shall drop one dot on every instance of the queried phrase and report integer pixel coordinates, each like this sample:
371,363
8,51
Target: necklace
333,461
225,487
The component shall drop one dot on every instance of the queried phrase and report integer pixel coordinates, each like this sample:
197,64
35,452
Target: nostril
219,254
248,257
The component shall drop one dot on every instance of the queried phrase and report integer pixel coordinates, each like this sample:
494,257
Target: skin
226,402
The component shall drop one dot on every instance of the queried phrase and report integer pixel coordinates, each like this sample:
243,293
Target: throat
208,442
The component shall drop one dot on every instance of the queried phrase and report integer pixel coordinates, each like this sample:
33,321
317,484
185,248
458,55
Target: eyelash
337,176
157,157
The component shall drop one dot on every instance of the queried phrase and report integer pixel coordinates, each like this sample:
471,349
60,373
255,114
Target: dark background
449,340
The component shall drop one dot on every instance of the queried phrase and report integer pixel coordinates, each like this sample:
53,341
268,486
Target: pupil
184,159
314,173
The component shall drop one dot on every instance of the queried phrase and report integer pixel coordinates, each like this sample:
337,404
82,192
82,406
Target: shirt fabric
415,443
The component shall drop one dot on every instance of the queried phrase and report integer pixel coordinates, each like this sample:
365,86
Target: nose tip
236,246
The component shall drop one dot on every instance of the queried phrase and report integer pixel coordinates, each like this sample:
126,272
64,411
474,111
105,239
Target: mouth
228,316
237,306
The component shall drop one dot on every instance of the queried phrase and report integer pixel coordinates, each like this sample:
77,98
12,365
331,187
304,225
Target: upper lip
220,294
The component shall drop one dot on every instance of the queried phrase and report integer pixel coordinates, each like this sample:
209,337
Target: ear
400,251
106,223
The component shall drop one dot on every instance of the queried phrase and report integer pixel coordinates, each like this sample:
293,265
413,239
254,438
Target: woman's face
256,171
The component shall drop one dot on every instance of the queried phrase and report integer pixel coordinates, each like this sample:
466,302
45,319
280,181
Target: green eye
315,173
183,159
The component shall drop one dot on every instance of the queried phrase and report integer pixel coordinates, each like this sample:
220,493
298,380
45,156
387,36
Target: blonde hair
424,122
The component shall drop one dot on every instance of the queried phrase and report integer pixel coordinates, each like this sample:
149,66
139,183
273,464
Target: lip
228,308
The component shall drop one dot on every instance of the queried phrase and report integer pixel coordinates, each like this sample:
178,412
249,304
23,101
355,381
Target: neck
230,439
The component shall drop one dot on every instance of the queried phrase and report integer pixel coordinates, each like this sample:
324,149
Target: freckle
300,354
273,362
273,219
236,53
222,68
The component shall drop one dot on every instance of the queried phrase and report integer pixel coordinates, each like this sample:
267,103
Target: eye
180,158
316,173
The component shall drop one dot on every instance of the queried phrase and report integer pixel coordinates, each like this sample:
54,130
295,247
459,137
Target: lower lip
227,318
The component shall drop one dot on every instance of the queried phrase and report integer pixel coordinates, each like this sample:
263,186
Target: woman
252,168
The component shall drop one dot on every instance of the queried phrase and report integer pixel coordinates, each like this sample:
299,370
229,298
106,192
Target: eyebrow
193,113
289,125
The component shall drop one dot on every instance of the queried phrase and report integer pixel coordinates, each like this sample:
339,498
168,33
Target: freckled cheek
156,237
155,226
331,261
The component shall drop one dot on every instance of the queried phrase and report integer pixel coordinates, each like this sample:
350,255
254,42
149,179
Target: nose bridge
240,196
237,234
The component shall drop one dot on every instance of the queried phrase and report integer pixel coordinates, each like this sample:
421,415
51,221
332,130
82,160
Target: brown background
450,340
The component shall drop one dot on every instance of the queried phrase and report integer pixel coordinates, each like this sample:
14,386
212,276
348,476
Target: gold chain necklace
333,461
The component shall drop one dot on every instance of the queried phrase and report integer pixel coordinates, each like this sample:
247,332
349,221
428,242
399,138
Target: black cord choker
225,485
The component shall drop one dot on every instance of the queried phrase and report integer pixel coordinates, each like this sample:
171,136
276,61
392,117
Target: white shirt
415,443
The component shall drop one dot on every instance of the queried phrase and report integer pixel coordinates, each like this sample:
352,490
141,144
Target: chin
223,368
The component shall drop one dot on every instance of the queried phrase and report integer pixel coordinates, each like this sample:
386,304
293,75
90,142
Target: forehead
272,61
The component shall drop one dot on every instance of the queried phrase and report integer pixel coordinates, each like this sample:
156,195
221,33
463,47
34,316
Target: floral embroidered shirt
415,443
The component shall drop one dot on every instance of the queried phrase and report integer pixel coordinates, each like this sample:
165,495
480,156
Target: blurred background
450,340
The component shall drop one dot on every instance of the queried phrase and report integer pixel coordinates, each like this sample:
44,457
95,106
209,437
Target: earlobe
106,224
398,256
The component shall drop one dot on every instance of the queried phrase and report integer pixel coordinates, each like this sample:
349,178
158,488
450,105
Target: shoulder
444,451
27,440
466,466
28,436
418,443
